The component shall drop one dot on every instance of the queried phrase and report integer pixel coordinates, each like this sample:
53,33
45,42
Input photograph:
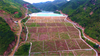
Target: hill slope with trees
50,6
13,6
86,14
28,5
9,11
6,36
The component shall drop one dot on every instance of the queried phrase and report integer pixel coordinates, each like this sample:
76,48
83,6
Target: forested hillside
16,7
71,6
6,36
28,5
10,8
87,14
9,11
50,6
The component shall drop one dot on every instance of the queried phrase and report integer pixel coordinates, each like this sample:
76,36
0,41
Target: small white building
15,21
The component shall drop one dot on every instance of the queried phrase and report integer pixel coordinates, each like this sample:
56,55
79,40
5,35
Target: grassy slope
83,17
6,36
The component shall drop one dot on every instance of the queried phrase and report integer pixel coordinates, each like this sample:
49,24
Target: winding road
19,34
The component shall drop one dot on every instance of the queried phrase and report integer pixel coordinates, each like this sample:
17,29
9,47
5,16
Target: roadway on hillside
18,39
19,33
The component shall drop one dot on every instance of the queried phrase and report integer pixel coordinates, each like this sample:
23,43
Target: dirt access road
19,33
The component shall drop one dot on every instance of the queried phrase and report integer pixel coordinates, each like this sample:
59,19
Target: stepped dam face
53,35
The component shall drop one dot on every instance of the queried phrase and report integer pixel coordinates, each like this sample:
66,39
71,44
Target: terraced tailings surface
52,36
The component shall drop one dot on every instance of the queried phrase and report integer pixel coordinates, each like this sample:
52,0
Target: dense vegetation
16,9
23,50
57,12
29,6
6,6
50,6
13,6
71,6
24,29
89,42
93,45
87,15
81,34
24,20
6,36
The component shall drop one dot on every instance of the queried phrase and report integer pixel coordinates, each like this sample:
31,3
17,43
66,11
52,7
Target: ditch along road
77,25
19,34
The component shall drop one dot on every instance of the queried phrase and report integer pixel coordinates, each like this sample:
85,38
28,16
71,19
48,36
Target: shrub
23,50
18,15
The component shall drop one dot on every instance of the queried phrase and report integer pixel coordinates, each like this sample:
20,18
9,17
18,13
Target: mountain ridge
50,6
